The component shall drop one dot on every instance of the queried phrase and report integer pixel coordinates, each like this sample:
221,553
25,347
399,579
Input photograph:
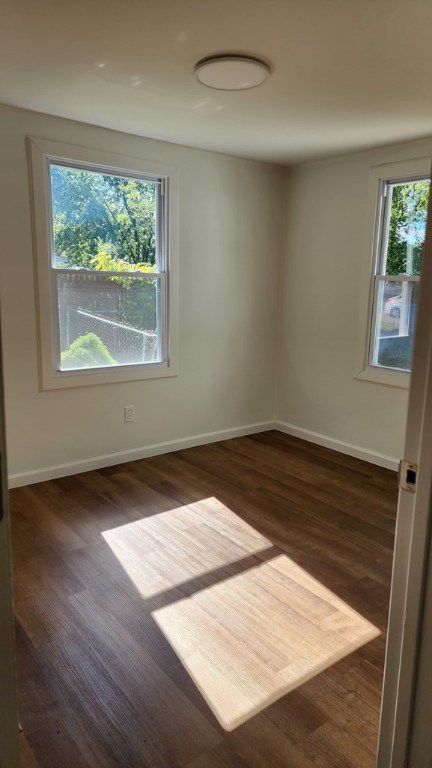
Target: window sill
385,376
108,375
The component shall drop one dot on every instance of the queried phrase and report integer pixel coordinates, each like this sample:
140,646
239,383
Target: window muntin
399,245
108,267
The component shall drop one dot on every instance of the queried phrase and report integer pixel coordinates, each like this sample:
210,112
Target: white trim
387,376
121,457
155,449
41,151
334,444
379,174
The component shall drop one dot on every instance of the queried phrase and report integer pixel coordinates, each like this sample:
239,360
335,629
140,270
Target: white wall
230,240
231,222
323,267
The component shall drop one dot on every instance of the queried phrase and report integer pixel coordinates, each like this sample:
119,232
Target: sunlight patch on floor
248,639
166,550
252,638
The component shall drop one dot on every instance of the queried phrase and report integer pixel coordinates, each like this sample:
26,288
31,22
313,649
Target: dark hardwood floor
99,686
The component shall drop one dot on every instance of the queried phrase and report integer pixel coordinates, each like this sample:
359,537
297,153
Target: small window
401,226
104,266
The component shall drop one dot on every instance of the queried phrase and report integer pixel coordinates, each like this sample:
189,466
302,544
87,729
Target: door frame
9,747
411,551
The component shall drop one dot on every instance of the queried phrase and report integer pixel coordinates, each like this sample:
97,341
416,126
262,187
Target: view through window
401,235
108,266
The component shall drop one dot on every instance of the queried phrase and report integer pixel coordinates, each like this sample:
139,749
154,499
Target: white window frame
41,153
379,177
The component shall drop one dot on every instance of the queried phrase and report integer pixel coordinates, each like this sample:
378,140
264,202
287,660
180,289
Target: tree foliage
94,213
136,299
105,262
104,223
86,351
407,227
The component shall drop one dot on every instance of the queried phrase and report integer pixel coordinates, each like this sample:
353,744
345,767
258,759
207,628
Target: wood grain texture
255,637
99,684
27,758
165,550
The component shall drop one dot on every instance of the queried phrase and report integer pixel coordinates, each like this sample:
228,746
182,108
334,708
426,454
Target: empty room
215,271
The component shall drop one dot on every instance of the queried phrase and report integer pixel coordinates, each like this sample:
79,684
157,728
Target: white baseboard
109,459
338,445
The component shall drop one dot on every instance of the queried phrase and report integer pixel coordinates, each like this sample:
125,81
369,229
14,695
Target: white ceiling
347,74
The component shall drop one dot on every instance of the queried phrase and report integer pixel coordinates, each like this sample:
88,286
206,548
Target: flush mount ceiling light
231,73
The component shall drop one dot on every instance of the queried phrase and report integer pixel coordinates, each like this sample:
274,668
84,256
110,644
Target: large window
102,266
395,233
400,239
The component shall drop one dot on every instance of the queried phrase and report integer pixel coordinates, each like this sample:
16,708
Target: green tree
407,224
136,304
86,351
134,202
94,212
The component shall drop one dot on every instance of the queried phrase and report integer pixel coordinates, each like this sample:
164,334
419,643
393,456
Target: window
401,235
102,240
400,225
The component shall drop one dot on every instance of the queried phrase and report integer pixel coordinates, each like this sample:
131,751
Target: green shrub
86,351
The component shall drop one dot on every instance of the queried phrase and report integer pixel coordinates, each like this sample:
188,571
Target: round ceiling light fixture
231,72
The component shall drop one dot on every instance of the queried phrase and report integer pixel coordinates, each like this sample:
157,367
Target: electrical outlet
129,413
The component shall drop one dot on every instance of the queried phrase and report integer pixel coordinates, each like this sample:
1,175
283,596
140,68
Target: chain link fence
125,344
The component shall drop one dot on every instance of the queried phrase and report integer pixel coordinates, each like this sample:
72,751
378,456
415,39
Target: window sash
159,275
105,276
382,231
376,313
105,170
384,213
161,206
101,273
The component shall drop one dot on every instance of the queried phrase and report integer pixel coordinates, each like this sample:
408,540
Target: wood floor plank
99,684
259,635
27,758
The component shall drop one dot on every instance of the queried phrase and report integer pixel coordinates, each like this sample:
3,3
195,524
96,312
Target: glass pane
408,210
102,222
395,323
106,320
